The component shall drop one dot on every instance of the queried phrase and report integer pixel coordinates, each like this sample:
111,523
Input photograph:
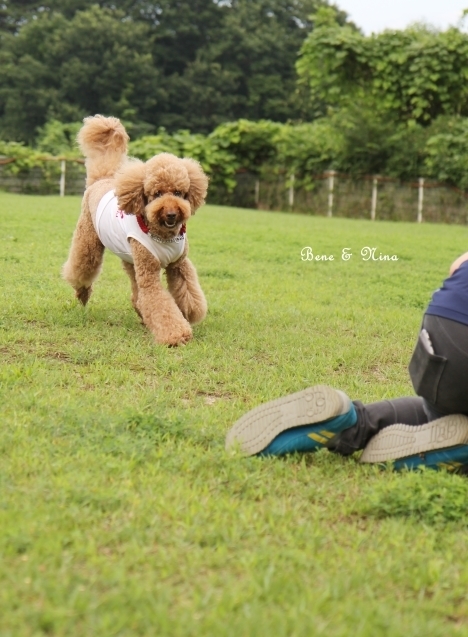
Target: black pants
440,381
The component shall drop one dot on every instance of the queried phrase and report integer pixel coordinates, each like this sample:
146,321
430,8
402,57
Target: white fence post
374,199
420,199
63,167
331,186
291,191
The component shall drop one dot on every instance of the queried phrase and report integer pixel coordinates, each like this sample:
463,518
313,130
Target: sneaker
439,444
305,421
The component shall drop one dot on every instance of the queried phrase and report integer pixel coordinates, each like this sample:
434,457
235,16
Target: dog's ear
129,187
198,183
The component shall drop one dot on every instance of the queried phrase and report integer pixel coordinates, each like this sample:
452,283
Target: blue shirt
451,300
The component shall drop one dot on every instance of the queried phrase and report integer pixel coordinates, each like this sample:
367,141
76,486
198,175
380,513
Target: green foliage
428,496
58,139
145,147
308,149
251,143
257,147
447,152
217,161
25,157
195,65
190,64
412,75
229,59
62,69
354,140
328,59
365,139
405,149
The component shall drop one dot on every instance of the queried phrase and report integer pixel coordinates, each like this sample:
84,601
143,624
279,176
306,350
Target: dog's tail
103,141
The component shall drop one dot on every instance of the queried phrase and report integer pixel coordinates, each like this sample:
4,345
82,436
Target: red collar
145,229
142,224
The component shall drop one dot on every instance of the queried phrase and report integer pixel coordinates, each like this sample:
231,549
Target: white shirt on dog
115,228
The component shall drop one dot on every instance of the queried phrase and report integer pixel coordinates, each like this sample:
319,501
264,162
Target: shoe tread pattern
400,441
257,428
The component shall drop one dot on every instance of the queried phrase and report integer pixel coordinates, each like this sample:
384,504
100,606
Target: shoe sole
400,441
257,428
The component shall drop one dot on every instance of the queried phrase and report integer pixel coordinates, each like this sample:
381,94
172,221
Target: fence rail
373,197
57,175
330,193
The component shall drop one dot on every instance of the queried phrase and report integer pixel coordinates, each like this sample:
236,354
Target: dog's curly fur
164,185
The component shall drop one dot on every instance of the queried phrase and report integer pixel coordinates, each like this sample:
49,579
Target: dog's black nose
171,216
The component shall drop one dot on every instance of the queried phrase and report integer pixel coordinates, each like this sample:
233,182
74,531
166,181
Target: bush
217,162
354,140
447,152
308,149
59,139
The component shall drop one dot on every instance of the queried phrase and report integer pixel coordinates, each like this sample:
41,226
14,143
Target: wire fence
329,194
372,197
55,175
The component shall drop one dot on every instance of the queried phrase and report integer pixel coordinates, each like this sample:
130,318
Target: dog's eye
158,194
177,193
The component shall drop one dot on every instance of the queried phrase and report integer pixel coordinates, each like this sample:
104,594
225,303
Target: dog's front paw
176,337
83,294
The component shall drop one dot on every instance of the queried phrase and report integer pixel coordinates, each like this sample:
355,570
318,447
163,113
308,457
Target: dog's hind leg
130,270
182,282
85,258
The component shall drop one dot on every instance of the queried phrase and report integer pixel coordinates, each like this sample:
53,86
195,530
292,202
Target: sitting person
429,429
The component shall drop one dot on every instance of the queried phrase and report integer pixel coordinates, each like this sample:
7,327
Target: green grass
120,512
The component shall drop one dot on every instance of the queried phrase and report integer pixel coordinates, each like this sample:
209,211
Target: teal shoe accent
310,437
451,459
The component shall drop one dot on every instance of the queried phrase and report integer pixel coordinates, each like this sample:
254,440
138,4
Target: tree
447,152
66,69
243,69
200,62
413,75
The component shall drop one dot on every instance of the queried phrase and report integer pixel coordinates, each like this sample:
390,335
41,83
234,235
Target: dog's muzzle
171,220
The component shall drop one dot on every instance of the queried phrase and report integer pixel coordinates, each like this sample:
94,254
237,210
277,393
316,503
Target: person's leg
287,425
439,371
374,417
318,417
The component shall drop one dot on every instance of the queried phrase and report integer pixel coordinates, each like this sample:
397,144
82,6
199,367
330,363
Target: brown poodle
139,210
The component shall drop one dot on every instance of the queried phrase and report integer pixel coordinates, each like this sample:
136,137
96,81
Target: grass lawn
121,514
